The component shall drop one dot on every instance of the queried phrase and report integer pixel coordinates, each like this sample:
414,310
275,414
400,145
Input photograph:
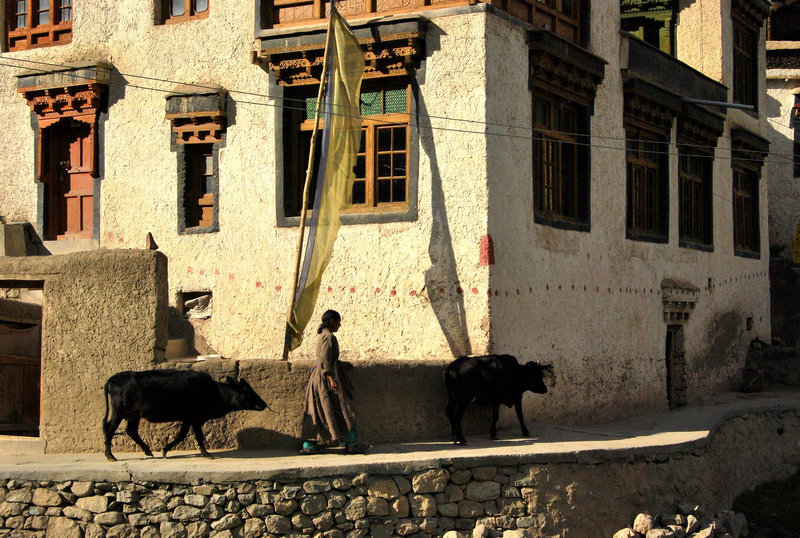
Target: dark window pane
398,164
360,168
201,5
399,190
362,145
384,139
541,114
399,135
384,192
359,192
384,165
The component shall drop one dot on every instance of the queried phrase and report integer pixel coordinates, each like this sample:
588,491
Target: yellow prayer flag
339,146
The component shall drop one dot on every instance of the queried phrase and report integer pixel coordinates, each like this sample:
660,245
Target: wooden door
69,178
19,390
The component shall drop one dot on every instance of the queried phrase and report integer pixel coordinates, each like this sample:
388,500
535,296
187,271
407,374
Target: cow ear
229,380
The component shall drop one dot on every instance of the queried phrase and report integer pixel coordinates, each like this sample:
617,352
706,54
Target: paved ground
681,430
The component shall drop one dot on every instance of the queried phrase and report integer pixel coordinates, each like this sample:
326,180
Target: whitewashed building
540,178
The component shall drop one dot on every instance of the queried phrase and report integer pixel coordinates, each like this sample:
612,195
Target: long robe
328,414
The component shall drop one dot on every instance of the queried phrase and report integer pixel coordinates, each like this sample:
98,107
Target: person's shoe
307,451
357,449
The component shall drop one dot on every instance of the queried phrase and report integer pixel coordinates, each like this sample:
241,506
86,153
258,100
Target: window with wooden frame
745,63
174,11
565,18
382,164
745,208
198,187
695,204
38,23
561,156
199,123
648,185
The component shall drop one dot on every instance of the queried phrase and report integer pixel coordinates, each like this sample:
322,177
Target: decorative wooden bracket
74,93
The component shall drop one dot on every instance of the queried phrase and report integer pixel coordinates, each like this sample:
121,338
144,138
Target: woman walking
329,395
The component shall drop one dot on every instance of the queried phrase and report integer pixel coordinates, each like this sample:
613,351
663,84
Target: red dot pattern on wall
570,288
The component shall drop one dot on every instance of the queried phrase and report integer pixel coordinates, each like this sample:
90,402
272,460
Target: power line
531,132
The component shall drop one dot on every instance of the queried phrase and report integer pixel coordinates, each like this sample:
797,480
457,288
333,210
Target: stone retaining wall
592,497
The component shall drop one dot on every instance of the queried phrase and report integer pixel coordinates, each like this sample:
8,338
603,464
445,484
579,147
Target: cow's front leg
198,434
178,438
132,429
518,409
495,417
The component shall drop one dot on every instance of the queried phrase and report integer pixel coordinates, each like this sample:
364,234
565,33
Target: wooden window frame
648,201
559,200
796,122
549,14
745,63
197,178
56,31
745,180
190,12
695,191
190,204
371,125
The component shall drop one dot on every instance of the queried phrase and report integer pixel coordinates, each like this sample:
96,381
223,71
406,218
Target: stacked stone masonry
430,502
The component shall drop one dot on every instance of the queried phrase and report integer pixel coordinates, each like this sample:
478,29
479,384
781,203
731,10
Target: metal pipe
717,103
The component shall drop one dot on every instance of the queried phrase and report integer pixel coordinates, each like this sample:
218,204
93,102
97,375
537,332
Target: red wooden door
69,176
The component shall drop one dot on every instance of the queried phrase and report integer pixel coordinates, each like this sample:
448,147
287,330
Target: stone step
21,445
177,348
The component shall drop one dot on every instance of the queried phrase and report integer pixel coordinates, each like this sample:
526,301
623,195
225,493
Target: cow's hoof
209,456
164,454
109,457
149,454
493,437
463,442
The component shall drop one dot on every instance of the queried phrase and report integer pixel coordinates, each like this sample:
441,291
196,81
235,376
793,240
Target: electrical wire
531,132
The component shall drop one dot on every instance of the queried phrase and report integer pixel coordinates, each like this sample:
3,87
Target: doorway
676,367
67,175
20,357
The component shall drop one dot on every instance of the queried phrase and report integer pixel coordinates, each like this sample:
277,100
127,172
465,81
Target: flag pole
323,79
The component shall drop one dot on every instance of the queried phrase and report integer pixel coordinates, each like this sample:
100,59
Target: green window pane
396,101
371,104
311,108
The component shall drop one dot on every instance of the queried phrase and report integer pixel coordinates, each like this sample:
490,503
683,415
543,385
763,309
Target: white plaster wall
784,191
590,302
395,284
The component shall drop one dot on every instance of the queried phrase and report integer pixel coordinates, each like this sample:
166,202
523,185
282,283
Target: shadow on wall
443,273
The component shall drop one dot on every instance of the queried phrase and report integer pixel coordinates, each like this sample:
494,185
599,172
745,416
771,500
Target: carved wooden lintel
299,65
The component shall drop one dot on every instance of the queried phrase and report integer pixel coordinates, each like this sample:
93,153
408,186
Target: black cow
491,380
172,396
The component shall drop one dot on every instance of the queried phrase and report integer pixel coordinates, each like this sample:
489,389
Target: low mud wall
587,495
